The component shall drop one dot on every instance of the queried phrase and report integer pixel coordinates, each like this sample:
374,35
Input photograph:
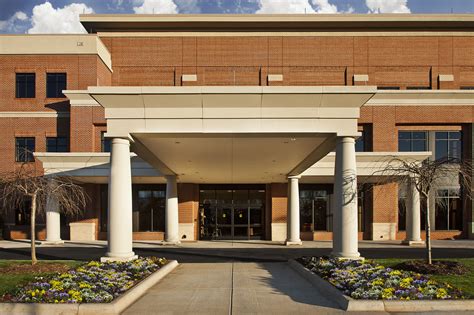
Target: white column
53,221
345,235
293,212
119,235
171,215
413,222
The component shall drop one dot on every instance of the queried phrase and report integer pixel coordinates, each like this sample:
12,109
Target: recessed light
293,139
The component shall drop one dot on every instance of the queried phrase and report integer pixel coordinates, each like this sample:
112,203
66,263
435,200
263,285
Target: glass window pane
455,135
441,149
404,146
404,135
419,135
441,135
455,149
418,145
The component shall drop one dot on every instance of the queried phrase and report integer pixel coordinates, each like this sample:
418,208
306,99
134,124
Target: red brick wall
279,201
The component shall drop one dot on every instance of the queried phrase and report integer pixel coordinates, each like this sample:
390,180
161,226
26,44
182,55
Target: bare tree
24,185
426,176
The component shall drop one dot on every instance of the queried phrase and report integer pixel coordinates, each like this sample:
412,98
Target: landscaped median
91,288
363,285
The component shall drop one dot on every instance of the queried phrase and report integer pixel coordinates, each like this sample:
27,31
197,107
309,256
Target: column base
413,243
58,242
115,258
290,243
351,256
171,243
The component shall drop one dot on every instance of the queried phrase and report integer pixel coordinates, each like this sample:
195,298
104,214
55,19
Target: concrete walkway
233,288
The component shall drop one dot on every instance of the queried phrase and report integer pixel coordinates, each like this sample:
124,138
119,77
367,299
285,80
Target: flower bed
363,279
94,282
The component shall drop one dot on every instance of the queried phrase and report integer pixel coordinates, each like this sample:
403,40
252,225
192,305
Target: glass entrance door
231,214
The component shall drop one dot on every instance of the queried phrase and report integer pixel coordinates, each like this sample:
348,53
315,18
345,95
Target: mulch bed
438,267
38,268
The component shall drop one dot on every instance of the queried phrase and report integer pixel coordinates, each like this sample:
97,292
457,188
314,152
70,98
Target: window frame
105,142
26,89
24,154
448,140
58,93
412,139
56,145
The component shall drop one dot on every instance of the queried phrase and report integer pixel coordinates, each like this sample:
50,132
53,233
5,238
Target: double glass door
231,214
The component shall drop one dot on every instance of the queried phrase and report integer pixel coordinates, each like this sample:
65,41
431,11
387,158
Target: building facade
229,115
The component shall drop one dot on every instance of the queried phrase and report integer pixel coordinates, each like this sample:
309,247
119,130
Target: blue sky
52,16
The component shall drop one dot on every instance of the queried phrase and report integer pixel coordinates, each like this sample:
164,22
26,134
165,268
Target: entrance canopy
229,134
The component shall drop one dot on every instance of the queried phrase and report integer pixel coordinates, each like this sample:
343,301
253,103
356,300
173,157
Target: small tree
25,184
427,176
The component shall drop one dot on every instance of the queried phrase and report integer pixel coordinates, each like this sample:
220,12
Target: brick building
229,115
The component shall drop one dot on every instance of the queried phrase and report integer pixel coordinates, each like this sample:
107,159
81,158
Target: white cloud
285,6
387,6
296,6
323,6
155,7
10,25
47,19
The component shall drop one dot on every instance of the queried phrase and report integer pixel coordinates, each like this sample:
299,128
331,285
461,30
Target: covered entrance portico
229,135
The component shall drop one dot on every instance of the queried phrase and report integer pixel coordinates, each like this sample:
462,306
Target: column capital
294,177
348,139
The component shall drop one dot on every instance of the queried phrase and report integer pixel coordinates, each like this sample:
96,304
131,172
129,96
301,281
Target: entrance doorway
231,212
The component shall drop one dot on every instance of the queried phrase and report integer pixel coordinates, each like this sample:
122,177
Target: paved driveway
233,288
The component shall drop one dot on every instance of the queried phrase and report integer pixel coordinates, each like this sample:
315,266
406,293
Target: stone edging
330,292
115,307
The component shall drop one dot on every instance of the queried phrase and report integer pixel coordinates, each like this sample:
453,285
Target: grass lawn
464,282
14,273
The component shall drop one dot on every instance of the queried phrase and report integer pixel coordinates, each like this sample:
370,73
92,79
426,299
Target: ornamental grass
94,282
364,279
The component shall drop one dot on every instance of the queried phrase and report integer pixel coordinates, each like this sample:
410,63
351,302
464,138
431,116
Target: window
388,88
448,210
412,141
448,145
24,148
360,143
105,144
57,144
315,211
418,88
25,85
55,84
22,213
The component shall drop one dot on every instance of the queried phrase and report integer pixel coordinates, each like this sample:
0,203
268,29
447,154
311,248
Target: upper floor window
360,143
105,144
25,85
412,141
448,145
388,88
418,88
57,144
24,148
55,84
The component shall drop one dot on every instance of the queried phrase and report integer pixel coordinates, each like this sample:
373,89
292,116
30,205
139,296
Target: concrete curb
117,306
330,292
